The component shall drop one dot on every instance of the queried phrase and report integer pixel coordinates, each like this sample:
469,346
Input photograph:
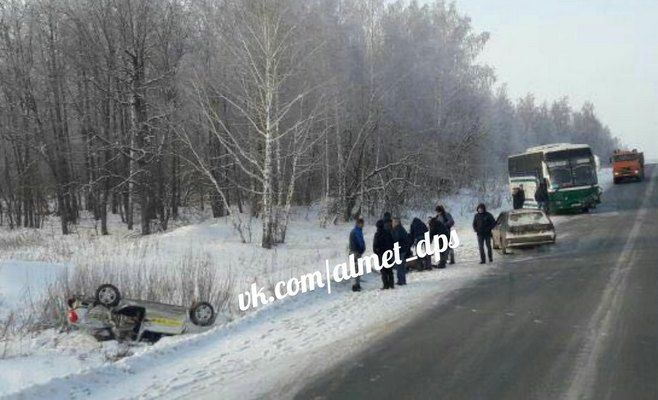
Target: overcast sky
605,51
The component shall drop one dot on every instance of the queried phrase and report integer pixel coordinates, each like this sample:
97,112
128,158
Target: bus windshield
584,175
561,176
571,170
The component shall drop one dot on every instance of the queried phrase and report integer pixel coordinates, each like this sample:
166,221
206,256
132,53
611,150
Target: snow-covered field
267,351
255,353
19,280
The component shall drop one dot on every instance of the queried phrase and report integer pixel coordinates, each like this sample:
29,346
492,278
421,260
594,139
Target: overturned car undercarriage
107,316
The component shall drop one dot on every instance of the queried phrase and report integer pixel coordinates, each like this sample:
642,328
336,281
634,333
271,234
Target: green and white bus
570,172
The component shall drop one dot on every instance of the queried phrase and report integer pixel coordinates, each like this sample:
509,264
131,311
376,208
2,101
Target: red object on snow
73,316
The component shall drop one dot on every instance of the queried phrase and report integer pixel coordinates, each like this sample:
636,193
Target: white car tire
202,314
108,295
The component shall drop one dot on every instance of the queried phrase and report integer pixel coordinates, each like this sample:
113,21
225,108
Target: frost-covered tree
139,107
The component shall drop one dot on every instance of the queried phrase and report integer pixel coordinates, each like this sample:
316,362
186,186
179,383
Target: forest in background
142,107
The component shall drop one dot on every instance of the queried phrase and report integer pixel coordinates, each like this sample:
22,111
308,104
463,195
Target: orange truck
627,164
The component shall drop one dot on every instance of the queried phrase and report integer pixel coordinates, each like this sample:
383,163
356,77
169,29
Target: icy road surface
575,321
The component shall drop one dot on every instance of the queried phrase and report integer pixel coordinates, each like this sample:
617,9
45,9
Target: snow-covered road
576,320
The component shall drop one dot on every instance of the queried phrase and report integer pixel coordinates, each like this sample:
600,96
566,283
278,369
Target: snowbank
262,351
50,354
606,180
20,281
267,351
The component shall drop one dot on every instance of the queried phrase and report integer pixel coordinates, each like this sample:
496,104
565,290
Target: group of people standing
390,231
541,196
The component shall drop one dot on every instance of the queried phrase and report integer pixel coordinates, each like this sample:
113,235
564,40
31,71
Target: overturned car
108,316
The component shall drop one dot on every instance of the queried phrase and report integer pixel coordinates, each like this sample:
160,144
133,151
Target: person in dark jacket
449,222
541,195
417,232
518,197
357,247
417,229
384,241
402,238
388,221
483,224
438,228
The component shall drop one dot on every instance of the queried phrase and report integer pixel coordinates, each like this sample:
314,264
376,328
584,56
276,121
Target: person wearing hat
438,228
383,242
402,238
483,224
447,220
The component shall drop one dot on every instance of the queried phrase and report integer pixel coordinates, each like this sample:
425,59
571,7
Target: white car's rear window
528,218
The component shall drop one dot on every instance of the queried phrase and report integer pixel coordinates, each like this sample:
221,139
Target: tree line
140,107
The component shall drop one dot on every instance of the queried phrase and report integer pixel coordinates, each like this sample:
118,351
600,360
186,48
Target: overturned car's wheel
202,314
108,295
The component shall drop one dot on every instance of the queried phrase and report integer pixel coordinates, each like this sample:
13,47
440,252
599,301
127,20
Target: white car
522,228
107,316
